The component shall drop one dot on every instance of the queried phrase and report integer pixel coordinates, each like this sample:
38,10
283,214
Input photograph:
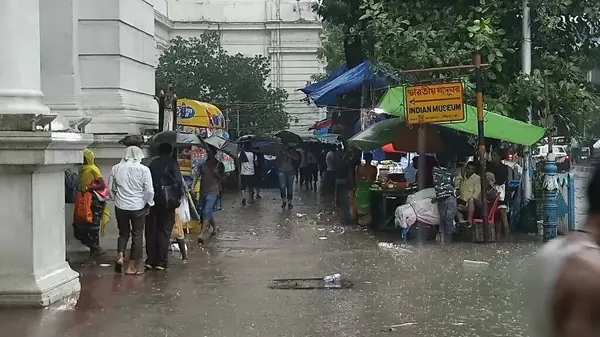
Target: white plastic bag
183,211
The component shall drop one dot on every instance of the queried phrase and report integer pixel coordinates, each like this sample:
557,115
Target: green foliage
331,51
199,68
436,33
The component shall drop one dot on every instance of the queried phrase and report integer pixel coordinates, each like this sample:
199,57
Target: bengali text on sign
435,103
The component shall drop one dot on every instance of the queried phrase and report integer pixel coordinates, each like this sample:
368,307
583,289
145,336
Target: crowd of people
146,194
332,171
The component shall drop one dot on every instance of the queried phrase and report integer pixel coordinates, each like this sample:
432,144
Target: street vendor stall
404,137
204,120
389,191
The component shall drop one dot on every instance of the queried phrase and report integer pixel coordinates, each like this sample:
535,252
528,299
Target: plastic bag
177,232
183,211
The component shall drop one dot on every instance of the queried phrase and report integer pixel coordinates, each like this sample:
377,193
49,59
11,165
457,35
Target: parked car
563,160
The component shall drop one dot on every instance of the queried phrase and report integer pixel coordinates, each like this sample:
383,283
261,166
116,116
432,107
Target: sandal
135,273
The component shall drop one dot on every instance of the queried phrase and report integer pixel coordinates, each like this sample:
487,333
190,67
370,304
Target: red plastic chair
491,213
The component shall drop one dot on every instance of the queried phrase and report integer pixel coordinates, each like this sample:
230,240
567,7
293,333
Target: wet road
421,289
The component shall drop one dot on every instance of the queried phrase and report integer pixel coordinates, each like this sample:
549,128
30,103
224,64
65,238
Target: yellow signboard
435,103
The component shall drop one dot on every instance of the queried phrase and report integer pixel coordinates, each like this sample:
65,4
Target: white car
563,161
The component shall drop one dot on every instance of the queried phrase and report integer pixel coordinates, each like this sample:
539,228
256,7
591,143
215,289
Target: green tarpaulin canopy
495,126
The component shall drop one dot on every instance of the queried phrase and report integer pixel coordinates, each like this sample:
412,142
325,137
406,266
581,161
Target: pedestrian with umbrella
248,163
169,189
211,175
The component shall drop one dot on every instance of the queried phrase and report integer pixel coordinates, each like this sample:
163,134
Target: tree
199,68
331,51
433,33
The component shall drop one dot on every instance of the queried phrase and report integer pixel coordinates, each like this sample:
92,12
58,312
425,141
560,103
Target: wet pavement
399,290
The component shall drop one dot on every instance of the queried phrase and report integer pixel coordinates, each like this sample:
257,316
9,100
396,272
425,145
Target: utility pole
526,67
237,123
550,207
481,147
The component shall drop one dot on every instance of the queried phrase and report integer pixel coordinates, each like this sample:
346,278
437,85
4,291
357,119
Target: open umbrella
389,148
222,144
403,137
176,139
288,137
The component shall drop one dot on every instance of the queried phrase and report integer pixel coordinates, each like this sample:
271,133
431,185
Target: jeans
208,206
131,223
286,183
159,226
447,208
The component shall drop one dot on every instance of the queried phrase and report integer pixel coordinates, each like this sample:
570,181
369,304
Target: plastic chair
491,213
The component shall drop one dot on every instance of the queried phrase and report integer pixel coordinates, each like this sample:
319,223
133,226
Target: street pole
237,122
161,111
482,153
174,112
526,67
550,207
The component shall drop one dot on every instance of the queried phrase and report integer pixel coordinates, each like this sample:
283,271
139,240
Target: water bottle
337,280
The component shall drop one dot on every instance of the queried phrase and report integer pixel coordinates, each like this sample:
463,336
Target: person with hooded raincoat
91,181
132,190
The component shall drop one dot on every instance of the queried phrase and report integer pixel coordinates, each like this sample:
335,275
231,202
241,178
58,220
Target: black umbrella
288,137
176,139
245,139
224,145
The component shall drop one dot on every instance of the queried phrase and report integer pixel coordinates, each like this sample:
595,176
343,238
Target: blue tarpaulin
341,82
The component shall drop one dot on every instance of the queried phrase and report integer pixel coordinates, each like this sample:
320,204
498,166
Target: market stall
389,191
204,120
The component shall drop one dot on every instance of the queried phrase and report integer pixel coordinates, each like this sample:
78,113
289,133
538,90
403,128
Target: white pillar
33,267
20,86
59,57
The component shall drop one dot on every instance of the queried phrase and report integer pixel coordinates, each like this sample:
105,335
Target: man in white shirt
131,189
248,162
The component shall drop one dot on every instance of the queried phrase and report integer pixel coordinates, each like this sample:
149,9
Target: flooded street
399,290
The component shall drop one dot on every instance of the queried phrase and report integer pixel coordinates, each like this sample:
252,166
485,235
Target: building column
59,57
117,58
33,267
20,84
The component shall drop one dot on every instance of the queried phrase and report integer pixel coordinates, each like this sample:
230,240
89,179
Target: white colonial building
96,59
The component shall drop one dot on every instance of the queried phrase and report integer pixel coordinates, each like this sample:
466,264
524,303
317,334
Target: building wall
273,28
117,57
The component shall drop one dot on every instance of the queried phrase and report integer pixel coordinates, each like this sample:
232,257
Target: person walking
212,174
92,182
260,172
169,189
501,171
248,163
312,169
302,169
287,173
561,288
131,189
445,196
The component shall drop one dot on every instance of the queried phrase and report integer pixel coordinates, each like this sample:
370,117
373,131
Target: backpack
169,193
71,186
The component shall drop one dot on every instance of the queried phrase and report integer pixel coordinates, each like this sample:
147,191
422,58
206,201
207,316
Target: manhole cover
309,283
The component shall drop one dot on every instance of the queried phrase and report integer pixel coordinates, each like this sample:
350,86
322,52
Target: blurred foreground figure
563,285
